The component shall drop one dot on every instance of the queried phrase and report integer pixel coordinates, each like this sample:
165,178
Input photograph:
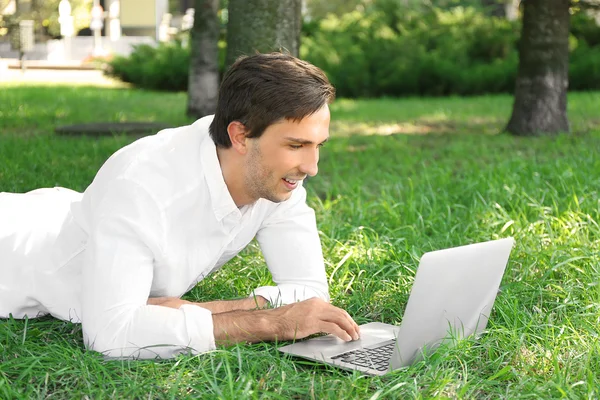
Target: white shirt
156,220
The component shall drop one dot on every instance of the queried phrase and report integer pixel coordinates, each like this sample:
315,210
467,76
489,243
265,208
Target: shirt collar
221,199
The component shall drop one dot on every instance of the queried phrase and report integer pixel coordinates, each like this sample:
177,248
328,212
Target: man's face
284,155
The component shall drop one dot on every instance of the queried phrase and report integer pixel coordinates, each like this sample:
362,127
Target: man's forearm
248,326
250,303
223,306
238,321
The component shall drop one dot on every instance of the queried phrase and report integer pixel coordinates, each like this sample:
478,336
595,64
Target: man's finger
340,318
334,329
354,325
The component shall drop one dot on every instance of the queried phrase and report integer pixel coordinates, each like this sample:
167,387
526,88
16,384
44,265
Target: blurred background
368,48
533,49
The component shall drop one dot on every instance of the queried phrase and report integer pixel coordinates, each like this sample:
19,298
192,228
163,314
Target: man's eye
295,146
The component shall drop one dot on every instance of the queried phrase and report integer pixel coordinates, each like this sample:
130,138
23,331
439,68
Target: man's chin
279,198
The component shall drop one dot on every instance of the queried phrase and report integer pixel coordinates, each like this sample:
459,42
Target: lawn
399,177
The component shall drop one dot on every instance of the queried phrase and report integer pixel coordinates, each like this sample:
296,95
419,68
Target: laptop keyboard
377,358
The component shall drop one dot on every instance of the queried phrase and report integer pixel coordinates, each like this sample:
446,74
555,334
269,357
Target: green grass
400,177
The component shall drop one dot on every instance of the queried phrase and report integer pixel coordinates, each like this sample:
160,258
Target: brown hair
262,89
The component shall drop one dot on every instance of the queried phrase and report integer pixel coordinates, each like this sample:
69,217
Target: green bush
433,53
164,67
370,54
437,52
584,68
585,29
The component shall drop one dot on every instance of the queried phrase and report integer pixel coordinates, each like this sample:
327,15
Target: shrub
368,54
584,68
164,67
585,28
439,53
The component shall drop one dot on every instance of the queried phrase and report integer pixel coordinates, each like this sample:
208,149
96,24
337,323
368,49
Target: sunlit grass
382,199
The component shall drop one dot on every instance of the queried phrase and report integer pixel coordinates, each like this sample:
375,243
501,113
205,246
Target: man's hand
294,321
312,316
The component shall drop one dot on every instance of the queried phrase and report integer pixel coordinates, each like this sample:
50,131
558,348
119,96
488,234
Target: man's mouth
291,183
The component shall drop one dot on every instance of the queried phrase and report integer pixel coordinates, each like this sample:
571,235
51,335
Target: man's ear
237,134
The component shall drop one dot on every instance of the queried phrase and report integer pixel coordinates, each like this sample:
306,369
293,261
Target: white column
67,29
161,8
114,20
96,26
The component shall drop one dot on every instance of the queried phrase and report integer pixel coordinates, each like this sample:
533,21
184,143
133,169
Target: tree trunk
263,26
203,85
540,105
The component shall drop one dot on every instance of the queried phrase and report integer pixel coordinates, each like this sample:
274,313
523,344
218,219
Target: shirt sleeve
125,235
290,244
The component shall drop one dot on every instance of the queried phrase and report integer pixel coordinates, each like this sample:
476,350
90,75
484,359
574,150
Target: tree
540,105
263,26
203,84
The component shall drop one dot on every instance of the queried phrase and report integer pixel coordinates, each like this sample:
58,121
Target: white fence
79,48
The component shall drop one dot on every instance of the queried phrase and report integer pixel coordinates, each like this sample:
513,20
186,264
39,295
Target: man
169,209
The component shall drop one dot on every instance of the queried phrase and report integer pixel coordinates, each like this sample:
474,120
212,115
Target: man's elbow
107,337
98,340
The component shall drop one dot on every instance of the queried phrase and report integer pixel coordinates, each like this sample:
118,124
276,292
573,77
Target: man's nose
310,163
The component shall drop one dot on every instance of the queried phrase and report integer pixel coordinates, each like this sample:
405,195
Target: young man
169,209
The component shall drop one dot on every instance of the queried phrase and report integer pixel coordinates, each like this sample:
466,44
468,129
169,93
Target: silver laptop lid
452,296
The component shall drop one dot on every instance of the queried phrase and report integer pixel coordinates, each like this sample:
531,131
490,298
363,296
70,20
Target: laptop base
325,349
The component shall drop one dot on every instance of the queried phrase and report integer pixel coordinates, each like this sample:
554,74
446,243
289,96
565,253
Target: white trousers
39,249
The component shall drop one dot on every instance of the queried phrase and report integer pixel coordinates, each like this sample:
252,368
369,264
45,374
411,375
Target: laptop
451,298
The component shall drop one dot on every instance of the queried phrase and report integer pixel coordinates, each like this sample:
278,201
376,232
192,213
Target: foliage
317,9
80,10
164,67
584,70
161,67
3,19
460,51
584,60
389,52
585,28
381,201
433,53
44,13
